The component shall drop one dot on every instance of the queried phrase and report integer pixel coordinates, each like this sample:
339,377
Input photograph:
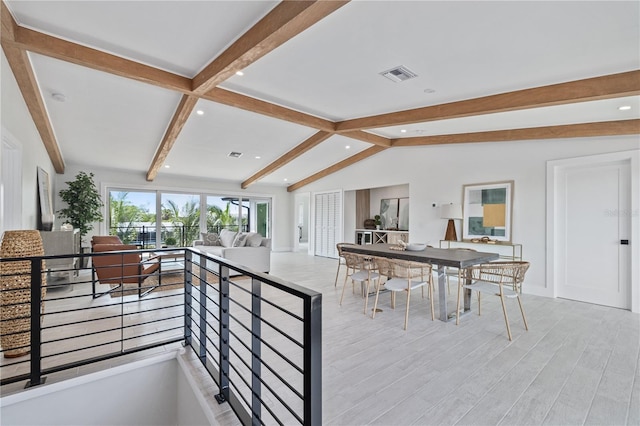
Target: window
158,219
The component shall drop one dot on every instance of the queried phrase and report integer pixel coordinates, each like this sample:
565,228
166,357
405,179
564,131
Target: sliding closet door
327,223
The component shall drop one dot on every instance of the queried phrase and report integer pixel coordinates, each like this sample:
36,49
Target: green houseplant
376,218
83,203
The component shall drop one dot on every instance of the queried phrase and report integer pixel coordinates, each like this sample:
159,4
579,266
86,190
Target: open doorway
301,232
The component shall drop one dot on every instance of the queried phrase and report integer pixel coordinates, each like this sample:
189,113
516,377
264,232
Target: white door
328,217
593,221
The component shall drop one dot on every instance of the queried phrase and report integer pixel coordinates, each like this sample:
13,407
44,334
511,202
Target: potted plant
83,203
377,219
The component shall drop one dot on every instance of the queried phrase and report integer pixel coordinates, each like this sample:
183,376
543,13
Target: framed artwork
388,213
487,210
403,214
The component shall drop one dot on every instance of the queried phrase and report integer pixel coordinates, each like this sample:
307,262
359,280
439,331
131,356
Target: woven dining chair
405,276
502,279
360,269
341,260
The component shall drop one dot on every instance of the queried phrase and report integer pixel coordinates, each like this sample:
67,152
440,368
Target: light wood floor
577,364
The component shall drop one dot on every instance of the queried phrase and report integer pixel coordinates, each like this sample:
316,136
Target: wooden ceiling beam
26,79
183,111
47,45
336,167
368,137
606,128
282,23
590,89
258,106
292,154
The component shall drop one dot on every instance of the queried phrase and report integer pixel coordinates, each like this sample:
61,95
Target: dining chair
453,272
341,260
405,276
360,269
502,279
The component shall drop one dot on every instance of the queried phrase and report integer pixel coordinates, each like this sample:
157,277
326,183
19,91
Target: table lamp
451,212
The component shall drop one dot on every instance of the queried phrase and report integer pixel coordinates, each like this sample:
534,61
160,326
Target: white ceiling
460,50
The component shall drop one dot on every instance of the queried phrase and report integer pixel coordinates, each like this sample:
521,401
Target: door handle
624,242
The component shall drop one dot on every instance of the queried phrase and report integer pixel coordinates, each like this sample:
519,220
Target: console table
379,236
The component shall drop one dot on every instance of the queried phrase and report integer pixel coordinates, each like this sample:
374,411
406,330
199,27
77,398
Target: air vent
399,74
234,154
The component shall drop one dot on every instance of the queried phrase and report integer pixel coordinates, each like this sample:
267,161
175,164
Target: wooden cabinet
374,236
506,250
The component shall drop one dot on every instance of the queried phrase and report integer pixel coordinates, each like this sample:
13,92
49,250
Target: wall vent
399,74
234,154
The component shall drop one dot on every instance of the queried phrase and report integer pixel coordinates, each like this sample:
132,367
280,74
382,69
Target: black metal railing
258,337
170,235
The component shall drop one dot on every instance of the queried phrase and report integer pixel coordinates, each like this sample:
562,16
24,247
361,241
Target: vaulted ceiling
154,86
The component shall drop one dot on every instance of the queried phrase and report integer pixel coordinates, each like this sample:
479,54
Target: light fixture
258,157
347,147
58,97
285,179
240,73
625,108
200,112
451,212
166,166
403,130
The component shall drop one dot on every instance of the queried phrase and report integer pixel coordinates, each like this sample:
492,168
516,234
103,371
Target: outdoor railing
170,235
258,337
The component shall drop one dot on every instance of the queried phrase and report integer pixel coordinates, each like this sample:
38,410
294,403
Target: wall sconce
451,212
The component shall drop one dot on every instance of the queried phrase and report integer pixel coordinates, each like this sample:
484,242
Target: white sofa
246,248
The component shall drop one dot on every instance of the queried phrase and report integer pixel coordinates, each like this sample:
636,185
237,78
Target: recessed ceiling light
625,108
347,147
166,166
258,157
285,179
200,112
239,73
403,131
59,97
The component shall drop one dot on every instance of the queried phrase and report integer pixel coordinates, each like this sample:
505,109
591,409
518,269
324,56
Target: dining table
439,257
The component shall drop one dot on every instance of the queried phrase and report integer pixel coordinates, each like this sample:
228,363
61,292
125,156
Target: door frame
554,168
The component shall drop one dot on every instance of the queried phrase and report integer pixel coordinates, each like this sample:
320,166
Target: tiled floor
577,364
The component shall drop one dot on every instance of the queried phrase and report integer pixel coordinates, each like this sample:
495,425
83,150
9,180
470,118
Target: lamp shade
451,211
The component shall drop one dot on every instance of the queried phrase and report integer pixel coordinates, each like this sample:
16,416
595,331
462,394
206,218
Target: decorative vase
15,294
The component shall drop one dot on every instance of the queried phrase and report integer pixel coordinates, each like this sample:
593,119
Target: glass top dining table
436,256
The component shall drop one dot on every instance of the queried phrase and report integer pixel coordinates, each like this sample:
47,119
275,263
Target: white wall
19,128
437,174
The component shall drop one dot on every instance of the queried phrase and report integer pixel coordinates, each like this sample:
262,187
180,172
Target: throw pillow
253,239
226,237
210,239
240,239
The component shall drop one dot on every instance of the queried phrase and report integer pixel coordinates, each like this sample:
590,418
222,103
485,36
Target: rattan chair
453,272
341,260
361,269
405,276
502,279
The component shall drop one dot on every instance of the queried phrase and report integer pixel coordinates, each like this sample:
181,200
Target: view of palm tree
132,217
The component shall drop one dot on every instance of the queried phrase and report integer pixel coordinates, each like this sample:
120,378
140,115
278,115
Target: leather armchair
120,268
